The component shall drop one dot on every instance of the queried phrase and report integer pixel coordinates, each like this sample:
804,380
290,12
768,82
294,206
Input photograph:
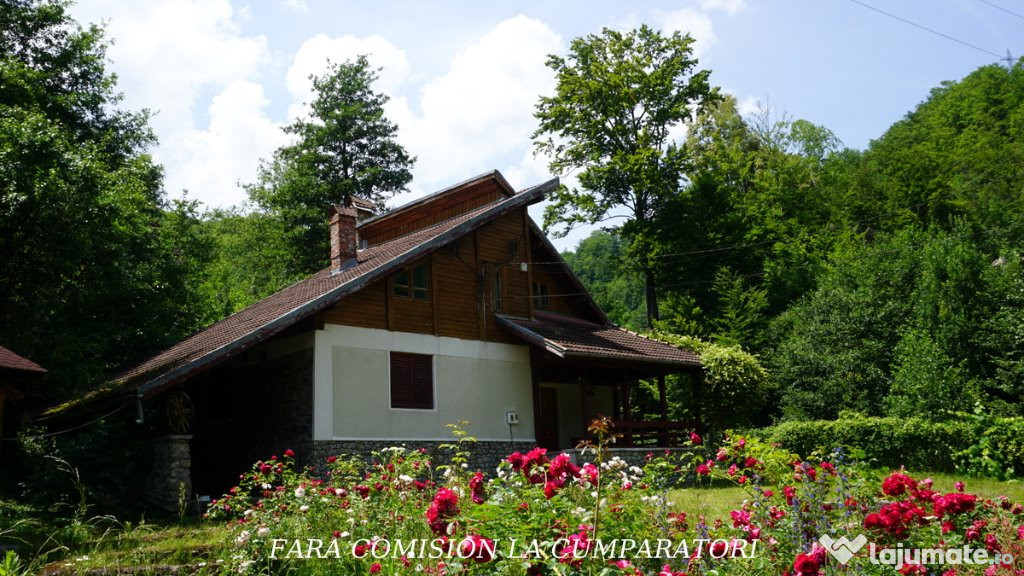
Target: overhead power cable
927,29
998,7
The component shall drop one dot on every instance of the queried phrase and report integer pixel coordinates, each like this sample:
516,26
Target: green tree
346,147
247,262
90,276
619,99
959,154
925,382
599,261
756,208
837,348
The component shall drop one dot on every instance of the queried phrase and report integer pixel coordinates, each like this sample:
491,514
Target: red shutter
423,382
412,381
401,380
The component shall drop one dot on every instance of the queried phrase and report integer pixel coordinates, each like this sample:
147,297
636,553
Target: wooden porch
581,368
632,429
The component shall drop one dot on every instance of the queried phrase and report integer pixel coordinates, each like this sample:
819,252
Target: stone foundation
484,455
638,456
172,472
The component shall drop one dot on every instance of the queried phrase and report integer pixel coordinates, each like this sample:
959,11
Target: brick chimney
344,238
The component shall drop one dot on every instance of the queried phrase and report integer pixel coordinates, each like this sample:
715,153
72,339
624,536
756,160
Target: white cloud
170,57
693,22
728,6
749,106
226,152
482,109
296,6
312,57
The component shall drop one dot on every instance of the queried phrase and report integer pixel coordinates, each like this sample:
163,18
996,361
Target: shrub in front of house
972,444
546,514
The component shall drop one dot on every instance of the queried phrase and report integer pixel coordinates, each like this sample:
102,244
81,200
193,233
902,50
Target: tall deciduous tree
346,147
91,273
620,100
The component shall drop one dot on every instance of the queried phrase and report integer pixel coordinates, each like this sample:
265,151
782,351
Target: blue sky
224,76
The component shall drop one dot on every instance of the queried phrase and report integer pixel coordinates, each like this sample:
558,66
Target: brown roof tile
566,336
282,309
12,361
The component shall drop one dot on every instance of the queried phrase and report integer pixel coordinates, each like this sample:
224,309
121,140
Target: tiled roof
282,309
568,337
11,361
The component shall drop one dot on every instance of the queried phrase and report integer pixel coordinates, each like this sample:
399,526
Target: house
453,307
15,373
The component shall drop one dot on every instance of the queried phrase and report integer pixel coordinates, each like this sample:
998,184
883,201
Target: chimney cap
342,210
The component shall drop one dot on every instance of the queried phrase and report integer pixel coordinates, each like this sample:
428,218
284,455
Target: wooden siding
367,308
457,289
430,213
461,303
563,294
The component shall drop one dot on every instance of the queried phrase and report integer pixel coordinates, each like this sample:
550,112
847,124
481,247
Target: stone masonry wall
172,472
485,456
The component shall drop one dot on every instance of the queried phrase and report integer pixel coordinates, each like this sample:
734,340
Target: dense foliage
972,444
887,281
94,265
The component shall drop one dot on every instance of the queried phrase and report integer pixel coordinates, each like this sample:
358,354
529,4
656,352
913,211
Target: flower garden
552,514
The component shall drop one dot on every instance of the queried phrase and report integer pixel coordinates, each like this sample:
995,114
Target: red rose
806,565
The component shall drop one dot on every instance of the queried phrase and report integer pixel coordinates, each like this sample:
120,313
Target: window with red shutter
412,381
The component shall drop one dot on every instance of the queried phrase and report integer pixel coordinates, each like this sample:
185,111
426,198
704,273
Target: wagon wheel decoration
179,412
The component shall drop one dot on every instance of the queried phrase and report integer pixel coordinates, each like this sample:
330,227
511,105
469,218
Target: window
540,296
497,292
412,381
418,289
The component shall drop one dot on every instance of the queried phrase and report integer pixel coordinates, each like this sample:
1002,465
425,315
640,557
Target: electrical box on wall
511,417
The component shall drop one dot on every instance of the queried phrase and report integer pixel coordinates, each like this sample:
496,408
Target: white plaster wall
473,380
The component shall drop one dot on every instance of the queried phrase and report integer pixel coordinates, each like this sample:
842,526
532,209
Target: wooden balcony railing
653,433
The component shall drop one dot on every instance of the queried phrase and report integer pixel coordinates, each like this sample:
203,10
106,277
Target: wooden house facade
452,308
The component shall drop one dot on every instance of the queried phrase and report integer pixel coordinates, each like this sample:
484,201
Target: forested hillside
886,281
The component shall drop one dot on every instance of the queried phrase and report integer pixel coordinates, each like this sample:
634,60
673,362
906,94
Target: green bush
977,445
735,387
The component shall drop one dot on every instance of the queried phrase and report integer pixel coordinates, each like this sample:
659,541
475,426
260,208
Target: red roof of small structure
11,361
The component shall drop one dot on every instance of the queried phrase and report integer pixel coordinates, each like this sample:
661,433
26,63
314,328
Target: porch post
535,388
627,410
663,404
697,381
584,402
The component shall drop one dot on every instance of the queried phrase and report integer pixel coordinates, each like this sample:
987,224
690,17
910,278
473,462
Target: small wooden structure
15,373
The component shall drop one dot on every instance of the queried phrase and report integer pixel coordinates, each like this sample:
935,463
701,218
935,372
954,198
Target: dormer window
412,282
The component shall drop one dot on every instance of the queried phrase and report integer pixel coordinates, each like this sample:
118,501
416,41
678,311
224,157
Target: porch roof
574,338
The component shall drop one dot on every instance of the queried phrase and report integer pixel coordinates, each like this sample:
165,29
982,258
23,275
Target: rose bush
541,513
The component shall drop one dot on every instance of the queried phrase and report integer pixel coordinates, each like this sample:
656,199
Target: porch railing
653,433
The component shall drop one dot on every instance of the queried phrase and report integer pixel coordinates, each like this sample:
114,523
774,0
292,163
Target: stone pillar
169,485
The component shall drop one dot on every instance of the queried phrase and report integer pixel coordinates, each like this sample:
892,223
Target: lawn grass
718,500
984,487
711,502
149,544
